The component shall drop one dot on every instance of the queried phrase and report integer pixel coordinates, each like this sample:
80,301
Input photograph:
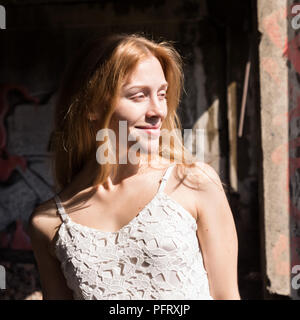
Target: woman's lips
154,131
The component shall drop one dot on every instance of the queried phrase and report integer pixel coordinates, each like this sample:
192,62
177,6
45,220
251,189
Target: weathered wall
279,77
292,54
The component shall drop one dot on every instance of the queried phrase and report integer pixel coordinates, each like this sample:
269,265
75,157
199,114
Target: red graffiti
289,49
287,116
9,162
272,27
280,258
271,67
292,52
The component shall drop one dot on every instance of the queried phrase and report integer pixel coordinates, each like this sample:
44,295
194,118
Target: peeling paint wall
274,101
292,53
280,97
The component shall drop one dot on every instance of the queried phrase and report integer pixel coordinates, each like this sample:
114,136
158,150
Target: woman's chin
145,150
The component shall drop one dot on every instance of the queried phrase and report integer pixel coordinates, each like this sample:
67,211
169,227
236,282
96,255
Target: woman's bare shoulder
209,173
202,176
43,221
212,193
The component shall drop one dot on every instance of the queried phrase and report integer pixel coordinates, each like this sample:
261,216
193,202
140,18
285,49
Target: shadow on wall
25,181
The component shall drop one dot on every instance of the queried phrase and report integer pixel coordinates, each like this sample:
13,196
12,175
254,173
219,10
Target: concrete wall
280,96
292,54
274,100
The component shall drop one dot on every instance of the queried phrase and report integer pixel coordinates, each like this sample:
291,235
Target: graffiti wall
280,91
25,175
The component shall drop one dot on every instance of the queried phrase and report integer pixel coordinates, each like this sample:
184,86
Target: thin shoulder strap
60,208
165,178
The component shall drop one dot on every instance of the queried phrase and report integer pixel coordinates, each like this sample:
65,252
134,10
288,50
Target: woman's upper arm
218,239
52,280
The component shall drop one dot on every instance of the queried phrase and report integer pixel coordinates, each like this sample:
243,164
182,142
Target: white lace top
155,256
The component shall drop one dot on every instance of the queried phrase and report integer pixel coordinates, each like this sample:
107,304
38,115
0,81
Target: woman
134,217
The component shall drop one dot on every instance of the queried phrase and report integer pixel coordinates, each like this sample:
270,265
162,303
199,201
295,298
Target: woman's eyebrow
137,86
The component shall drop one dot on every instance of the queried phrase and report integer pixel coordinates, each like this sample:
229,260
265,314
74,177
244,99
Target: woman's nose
156,107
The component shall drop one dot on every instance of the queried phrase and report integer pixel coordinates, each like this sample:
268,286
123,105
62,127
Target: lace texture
156,256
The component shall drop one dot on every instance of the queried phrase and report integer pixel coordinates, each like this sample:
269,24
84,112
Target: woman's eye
163,94
138,97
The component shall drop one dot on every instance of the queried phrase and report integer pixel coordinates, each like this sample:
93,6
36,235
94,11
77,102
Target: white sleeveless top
155,256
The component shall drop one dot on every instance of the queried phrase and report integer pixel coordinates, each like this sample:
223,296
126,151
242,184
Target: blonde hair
91,84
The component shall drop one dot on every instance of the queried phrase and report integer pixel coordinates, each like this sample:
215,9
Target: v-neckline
160,191
136,217
132,221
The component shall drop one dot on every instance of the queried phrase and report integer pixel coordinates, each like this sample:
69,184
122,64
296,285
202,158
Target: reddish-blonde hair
90,86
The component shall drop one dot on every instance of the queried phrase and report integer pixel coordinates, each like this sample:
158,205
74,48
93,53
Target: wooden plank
232,133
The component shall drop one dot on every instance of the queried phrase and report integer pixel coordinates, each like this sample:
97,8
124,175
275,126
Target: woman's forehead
145,70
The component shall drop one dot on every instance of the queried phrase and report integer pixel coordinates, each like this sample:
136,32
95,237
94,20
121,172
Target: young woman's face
142,103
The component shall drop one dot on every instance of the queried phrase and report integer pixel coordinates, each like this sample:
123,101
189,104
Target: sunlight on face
142,103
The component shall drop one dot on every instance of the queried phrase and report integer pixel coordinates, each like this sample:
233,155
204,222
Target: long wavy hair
91,84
